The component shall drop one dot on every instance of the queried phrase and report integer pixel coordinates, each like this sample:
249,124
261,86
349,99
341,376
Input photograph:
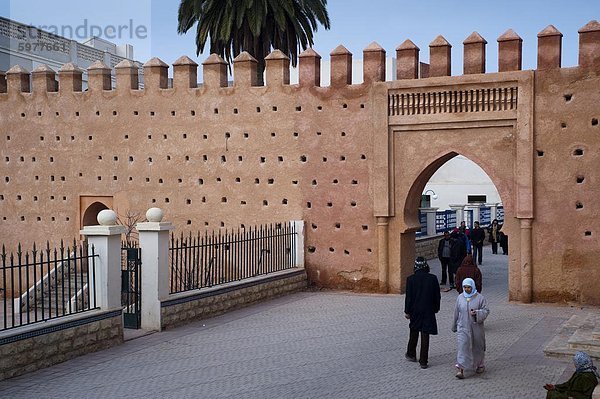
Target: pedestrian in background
469,314
445,248
494,235
477,238
468,269
458,255
582,382
421,303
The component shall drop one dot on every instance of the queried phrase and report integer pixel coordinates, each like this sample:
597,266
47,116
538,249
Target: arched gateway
487,119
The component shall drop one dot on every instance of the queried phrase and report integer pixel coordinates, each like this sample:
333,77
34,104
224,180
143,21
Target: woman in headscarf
581,384
469,314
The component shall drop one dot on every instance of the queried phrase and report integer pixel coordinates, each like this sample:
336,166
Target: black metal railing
221,257
44,284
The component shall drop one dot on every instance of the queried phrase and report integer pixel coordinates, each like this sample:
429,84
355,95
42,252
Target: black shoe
410,358
424,366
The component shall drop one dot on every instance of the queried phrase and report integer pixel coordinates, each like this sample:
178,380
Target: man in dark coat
458,254
444,255
477,238
421,303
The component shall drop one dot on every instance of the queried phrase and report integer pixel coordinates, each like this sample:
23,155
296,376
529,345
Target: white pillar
430,212
493,210
106,278
154,244
460,213
299,228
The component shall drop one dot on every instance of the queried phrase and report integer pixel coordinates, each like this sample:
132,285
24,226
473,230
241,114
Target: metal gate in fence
131,287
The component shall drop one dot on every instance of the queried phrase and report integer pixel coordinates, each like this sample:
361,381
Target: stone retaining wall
427,246
186,307
40,345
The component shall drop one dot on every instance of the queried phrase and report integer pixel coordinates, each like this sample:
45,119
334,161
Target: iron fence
211,259
500,214
445,220
485,216
44,284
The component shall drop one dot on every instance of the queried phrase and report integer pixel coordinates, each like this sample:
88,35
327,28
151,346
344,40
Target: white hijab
471,283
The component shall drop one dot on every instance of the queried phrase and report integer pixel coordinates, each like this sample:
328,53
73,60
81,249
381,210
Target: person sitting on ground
469,269
581,384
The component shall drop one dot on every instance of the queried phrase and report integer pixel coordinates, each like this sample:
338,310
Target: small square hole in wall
270,181
568,97
588,233
274,108
205,158
330,204
295,182
188,221
165,137
90,138
257,109
362,105
578,152
319,108
22,114
580,179
237,180
126,137
235,110
149,137
7,138
218,180
153,200
72,138
216,110
344,105
594,122
41,138
263,159
280,158
298,108
295,134
147,180
57,138
342,158
265,203
180,180
540,153
205,137
302,158
193,113
151,113
172,113
184,135
314,182
273,134
319,133
242,202
136,113
354,182
57,113
324,159
240,158
257,181
114,113
97,113
343,134
353,203
76,113
578,205
563,125
114,177
309,205
335,181
363,156
246,135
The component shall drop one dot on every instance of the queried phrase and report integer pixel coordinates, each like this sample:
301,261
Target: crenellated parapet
215,70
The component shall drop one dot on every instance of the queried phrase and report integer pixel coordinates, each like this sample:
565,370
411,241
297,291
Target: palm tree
255,26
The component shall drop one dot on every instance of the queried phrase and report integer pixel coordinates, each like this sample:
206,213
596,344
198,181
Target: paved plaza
317,345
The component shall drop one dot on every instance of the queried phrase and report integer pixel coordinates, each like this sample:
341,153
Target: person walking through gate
458,254
477,238
469,314
494,235
468,269
445,248
421,303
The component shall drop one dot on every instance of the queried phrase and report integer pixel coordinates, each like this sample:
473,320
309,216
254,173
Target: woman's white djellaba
469,314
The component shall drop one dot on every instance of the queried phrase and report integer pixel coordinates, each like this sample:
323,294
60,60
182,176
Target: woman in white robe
470,312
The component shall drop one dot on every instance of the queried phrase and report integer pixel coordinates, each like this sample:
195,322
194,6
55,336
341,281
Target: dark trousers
494,247
446,267
412,345
477,253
